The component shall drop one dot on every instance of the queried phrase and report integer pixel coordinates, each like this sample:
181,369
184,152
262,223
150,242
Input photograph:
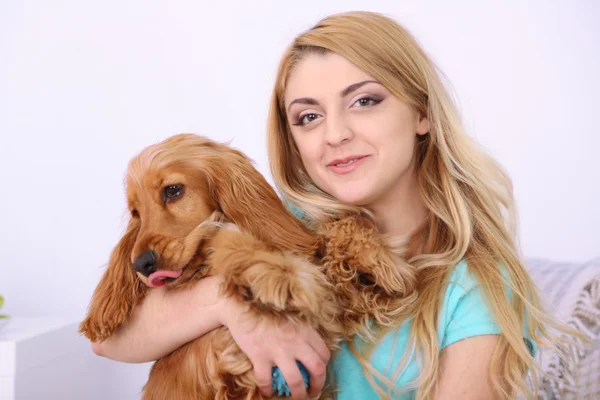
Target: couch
573,290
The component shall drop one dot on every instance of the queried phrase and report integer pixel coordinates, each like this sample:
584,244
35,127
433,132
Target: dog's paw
281,285
354,238
356,255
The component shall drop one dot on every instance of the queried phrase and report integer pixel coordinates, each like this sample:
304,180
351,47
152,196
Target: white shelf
45,358
42,358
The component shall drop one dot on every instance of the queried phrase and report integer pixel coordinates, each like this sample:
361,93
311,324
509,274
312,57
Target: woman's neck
402,211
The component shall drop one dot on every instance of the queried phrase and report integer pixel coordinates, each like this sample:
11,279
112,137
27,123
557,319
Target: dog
199,208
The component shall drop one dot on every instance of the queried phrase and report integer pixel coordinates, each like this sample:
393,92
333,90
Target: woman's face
355,138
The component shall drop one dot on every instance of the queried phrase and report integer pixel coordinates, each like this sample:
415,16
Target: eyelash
374,101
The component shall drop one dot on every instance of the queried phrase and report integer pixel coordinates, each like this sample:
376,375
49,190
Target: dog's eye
134,213
173,191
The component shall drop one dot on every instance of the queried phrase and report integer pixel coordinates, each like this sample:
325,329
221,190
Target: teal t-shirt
464,314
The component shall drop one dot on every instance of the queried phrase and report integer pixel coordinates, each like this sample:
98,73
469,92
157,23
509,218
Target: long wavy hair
468,195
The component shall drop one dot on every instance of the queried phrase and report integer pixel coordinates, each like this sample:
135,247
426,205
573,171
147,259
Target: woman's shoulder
464,311
463,284
462,277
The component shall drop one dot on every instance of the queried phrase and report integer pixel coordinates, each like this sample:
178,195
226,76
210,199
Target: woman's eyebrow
344,93
303,100
355,86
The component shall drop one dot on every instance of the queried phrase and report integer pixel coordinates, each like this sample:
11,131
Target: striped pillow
573,290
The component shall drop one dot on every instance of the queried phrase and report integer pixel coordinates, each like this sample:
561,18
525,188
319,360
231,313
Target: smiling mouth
341,164
346,163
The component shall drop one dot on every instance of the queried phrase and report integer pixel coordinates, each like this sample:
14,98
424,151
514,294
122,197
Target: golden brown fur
372,283
268,260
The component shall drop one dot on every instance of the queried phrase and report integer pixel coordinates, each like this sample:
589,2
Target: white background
85,85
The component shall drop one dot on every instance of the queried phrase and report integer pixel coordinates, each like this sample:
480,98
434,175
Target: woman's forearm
164,321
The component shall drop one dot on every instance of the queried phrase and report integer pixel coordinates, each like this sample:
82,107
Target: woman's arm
167,320
163,322
465,369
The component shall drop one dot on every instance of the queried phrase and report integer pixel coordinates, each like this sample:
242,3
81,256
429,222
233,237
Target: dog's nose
145,263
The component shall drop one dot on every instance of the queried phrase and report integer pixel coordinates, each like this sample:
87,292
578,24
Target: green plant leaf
3,316
1,301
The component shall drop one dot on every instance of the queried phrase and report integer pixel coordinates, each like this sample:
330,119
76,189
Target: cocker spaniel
199,208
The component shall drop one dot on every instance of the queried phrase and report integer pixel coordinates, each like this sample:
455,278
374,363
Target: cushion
573,290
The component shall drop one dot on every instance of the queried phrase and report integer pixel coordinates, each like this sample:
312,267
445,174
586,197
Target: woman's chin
352,198
355,193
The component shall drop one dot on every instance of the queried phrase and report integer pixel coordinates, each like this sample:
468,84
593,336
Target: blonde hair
468,195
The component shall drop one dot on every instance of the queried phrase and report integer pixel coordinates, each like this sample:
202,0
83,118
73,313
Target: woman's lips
348,165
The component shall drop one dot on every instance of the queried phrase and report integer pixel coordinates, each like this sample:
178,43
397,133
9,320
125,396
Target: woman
360,119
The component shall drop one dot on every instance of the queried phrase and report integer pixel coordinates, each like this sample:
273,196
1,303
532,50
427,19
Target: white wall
85,85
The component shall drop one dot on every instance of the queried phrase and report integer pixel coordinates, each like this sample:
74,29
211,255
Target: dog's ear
247,200
117,293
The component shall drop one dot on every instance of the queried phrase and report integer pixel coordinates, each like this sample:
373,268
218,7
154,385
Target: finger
317,369
318,344
293,378
264,379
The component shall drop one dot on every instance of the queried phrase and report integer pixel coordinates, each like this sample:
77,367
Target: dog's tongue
157,278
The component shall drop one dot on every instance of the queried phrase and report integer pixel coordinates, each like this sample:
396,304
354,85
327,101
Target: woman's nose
337,132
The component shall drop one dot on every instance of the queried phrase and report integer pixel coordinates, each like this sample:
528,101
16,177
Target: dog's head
178,186
168,197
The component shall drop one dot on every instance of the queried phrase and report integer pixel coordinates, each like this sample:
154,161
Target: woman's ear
117,293
423,127
247,200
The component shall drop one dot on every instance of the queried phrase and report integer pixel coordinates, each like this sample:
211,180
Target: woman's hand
267,346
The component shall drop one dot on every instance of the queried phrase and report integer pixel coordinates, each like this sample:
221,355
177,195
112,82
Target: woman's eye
173,191
366,101
306,118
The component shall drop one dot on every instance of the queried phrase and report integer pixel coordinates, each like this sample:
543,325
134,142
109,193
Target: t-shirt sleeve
465,312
